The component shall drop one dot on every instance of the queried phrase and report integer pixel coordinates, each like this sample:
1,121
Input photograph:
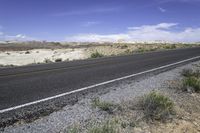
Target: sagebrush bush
108,127
96,55
128,51
187,72
124,46
193,82
46,60
105,106
58,60
73,130
157,106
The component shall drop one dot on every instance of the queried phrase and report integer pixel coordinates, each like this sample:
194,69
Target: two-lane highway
22,85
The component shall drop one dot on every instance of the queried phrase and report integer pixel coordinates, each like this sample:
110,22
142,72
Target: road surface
26,84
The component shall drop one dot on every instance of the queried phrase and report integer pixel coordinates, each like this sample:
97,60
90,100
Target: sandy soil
36,56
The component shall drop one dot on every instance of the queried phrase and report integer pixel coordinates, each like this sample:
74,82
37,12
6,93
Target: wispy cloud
162,9
162,31
18,37
86,11
90,23
152,27
97,37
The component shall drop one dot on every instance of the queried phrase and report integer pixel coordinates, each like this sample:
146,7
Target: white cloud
90,23
152,27
96,37
18,37
162,31
162,9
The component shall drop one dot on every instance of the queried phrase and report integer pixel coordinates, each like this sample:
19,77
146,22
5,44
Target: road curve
26,84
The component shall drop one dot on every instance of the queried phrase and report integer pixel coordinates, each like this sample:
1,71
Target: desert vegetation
157,106
96,55
107,127
191,81
105,106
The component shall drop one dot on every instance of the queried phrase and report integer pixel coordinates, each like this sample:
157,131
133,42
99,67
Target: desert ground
20,54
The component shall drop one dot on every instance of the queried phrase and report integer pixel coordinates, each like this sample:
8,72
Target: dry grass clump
107,127
47,60
191,84
105,106
191,81
187,72
157,106
190,73
96,55
58,60
73,129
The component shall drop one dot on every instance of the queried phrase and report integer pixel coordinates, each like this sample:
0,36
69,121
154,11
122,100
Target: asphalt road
21,85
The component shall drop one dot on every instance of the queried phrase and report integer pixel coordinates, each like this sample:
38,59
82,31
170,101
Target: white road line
92,86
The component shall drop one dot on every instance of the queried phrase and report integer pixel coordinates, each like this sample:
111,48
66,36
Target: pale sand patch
20,58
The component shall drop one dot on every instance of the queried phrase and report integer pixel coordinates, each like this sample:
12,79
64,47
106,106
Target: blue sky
96,20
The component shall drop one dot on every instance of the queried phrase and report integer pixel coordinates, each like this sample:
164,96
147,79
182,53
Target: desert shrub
187,72
166,47
157,106
105,106
73,129
46,60
108,127
96,55
197,74
27,52
141,50
193,82
171,46
152,49
191,73
124,46
128,51
58,60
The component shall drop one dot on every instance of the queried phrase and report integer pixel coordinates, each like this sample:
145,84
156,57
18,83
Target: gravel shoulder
83,115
